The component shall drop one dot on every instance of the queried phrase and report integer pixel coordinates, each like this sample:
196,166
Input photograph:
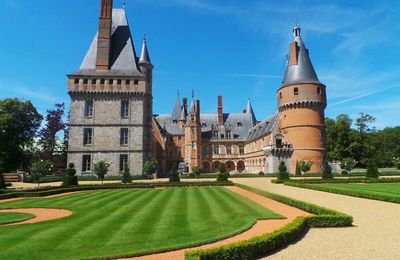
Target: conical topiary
327,171
372,170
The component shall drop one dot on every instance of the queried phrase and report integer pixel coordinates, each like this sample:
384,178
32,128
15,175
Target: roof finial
193,93
177,91
124,4
144,37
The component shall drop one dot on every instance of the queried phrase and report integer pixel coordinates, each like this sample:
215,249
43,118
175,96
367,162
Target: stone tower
111,99
301,103
193,143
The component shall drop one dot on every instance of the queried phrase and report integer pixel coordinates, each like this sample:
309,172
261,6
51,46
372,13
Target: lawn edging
269,243
43,192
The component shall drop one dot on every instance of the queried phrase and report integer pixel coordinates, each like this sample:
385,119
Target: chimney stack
104,35
220,112
185,104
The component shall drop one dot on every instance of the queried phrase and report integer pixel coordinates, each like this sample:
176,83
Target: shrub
101,169
222,175
197,170
174,174
283,174
372,170
305,166
2,181
348,164
150,168
327,171
298,170
345,173
70,179
261,174
222,168
126,176
39,169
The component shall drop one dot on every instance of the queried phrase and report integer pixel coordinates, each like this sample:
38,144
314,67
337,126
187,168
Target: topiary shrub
70,179
2,181
327,171
372,170
174,177
150,168
126,176
222,175
261,174
298,170
197,171
345,173
283,174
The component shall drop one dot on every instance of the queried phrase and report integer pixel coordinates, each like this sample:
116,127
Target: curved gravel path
375,235
41,214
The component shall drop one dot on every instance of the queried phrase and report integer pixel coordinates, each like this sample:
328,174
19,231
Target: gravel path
42,214
375,235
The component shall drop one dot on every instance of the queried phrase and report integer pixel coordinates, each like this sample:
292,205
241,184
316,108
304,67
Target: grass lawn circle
14,217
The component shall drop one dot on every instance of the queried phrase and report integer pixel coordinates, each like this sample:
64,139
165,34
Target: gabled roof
123,57
263,128
303,71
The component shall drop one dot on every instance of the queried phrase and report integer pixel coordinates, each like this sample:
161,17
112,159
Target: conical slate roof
144,55
249,110
303,71
176,112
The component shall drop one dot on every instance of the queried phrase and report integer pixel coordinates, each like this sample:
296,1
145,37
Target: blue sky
234,48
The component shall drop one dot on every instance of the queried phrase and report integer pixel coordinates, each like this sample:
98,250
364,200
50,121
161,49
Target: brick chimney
185,103
294,53
220,112
104,35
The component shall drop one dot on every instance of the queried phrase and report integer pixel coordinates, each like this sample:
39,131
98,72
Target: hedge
8,194
269,243
338,181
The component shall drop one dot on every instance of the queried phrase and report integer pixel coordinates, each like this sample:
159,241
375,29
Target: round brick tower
301,103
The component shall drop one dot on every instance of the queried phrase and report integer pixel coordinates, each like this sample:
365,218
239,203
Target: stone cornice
302,104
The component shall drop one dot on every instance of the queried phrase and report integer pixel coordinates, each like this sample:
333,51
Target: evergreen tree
70,179
101,169
126,176
327,171
283,174
2,181
298,170
222,175
372,170
174,177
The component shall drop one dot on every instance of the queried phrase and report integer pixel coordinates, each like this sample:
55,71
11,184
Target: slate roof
303,71
167,122
123,57
263,128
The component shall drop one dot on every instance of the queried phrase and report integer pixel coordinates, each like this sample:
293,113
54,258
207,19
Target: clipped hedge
269,243
339,181
8,194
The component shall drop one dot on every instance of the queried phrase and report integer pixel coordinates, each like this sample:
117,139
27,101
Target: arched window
280,95
319,90
296,91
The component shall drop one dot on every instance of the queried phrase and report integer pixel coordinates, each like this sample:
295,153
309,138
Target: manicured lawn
129,222
6,217
379,191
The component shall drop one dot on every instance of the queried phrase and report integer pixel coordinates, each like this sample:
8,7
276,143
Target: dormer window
76,81
319,90
203,125
239,124
175,121
296,91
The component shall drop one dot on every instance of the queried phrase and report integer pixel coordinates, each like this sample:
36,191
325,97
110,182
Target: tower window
102,81
127,82
239,124
296,91
193,146
93,81
86,163
76,81
123,162
87,136
119,81
111,81
124,136
136,82
125,108
85,81
319,90
89,108
280,95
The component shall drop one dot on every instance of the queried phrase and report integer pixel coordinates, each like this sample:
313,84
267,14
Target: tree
283,174
327,171
338,137
150,168
396,162
70,179
197,171
101,169
2,181
222,175
305,166
348,164
372,169
298,170
41,168
19,122
174,177
126,176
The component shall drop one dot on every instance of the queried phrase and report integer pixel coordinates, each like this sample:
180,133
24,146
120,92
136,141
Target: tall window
241,150
124,108
296,91
124,136
193,145
123,162
229,149
319,90
87,136
86,163
216,149
228,134
89,108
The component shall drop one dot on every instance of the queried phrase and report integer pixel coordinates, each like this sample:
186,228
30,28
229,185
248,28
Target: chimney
104,35
185,104
294,53
220,112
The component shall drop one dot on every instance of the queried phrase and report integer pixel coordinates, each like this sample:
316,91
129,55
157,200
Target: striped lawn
129,222
373,188
11,217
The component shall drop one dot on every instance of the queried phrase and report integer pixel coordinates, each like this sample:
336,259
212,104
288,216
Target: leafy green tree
338,137
283,173
348,164
372,169
2,181
41,168
174,176
19,122
305,166
126,176
327,171
197,171
396,162
298,170
150,168
101,169
70,178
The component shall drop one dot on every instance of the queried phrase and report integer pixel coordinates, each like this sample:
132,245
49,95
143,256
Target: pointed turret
144,59
299,68
250,112
176,112
192,104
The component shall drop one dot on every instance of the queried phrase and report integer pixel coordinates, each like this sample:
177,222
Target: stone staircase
11,177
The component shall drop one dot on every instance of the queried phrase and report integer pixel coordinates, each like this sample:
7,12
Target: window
239,124
119,81
216,149
229,149
87,136
174,121
93,81
279,143
127,82
193,145
319,90
280,95
193,129
124,108
228,134
203,125
102,81
111,81
85,81
76,81
296,91
123,162
124,136
241,150
86,163
89,108
136,82
215,134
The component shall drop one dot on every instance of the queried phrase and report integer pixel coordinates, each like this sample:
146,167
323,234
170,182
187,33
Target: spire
144,58
176,112
249,111
299,68
192,104
104,35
